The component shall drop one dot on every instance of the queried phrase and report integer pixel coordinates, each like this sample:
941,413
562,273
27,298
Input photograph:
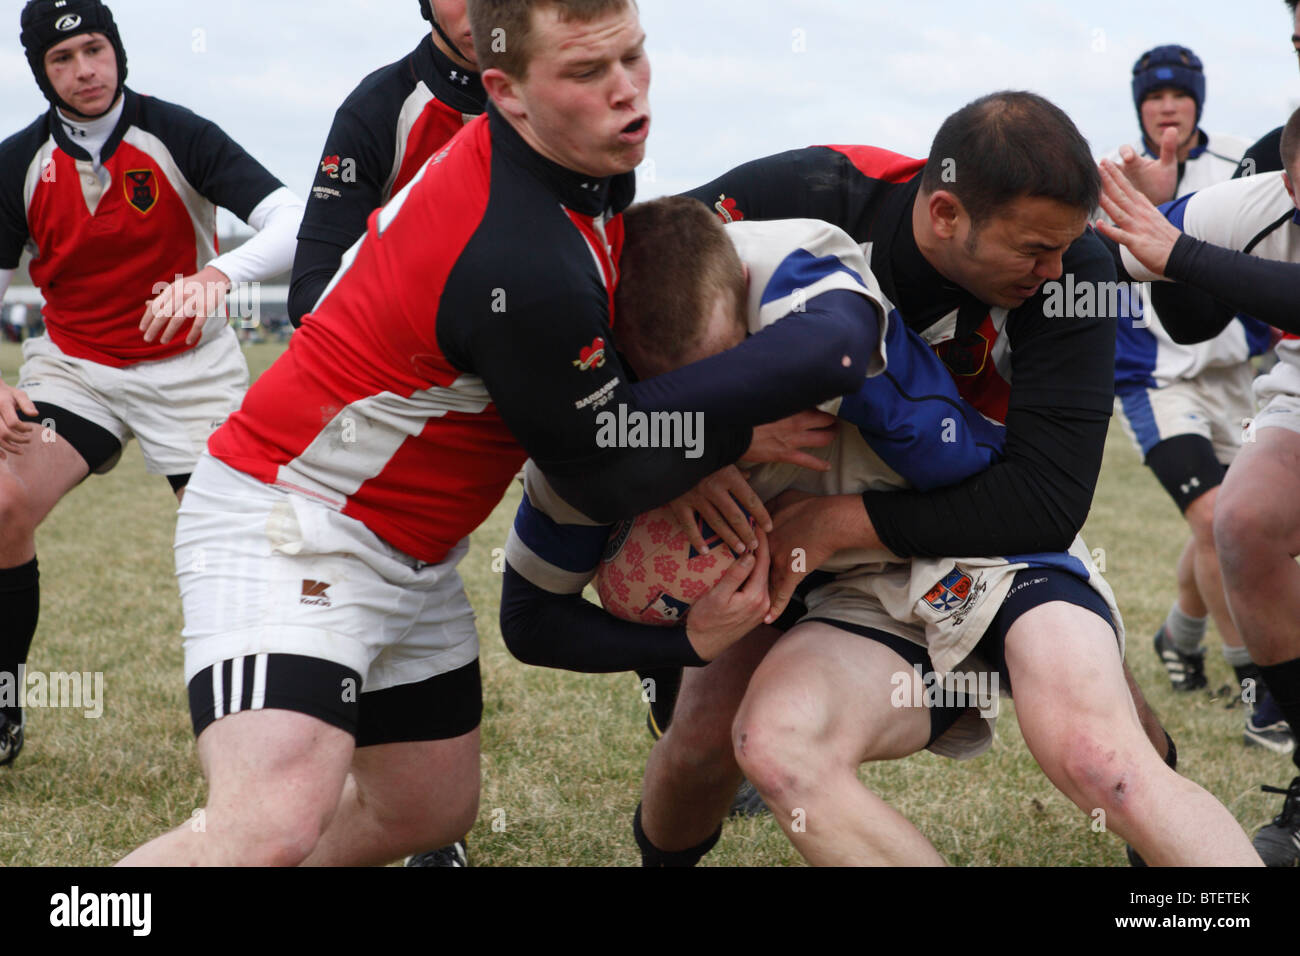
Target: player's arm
348,186
812,183
220,170
1192,241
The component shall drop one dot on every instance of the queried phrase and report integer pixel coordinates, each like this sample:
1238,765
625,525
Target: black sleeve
215,165
1196,316
571,633
1264,288
16,154
814,355
349,179
314,265
1038,497
813,183
13,230
1264,157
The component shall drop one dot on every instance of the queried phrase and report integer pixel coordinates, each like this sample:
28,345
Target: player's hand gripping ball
651,574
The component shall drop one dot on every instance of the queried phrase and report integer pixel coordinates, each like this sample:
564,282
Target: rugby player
384,132
1235,247
1184,405
962,246
331,653
115,194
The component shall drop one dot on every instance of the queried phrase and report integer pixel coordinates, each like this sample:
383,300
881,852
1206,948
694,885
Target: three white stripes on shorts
237,686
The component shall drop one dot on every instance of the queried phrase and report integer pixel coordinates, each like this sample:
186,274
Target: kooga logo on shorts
69,22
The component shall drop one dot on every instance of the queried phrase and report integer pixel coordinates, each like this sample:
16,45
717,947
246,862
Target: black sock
1249,672
651,855
1283,682
20,598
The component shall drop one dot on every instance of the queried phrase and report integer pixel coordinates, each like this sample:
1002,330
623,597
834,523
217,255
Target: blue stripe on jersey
1060,560
1137,409
1135,348
569,547
800,270
1176,210
915,420
1259,335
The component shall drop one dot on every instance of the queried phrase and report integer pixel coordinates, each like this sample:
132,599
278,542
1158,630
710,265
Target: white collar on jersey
92,134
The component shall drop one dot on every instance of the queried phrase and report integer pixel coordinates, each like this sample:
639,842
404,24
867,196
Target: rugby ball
651,574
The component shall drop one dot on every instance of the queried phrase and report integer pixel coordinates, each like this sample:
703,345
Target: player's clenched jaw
583,100
83,72
1008,258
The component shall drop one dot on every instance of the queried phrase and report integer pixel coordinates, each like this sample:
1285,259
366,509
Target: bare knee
781,749
1098,774
1244,528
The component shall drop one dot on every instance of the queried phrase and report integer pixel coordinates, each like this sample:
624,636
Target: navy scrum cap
46,23
426,11
1171,65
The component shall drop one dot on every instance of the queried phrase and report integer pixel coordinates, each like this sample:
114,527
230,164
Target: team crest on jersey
965,356
726,209
139,187
955,596
592,356
330,166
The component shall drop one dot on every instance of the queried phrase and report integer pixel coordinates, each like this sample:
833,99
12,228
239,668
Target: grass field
562,753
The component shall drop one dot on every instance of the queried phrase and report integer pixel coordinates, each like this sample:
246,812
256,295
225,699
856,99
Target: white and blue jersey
1145,355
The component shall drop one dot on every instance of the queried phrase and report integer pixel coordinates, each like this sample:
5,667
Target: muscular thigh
1265,479
850,695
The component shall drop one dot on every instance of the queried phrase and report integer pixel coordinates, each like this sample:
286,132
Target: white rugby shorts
266,571
171,406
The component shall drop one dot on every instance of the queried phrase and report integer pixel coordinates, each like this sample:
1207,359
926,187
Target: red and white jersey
465,332
103,240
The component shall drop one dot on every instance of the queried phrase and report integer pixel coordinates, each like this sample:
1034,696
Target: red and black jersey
470,329
1049,379
100,250
384,132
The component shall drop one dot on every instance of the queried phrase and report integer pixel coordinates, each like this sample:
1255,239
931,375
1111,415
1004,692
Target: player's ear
945,211
1290,186
503,89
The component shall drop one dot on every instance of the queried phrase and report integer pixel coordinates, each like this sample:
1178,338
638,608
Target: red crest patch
330,166
727,211
139,188
593,356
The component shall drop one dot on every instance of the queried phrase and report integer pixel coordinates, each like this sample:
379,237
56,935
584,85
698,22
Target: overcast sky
733,79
